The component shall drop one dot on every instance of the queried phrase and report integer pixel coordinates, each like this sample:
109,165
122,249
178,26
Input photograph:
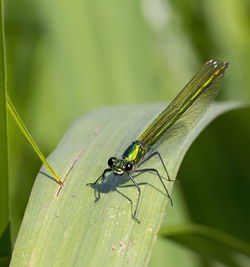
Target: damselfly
205,82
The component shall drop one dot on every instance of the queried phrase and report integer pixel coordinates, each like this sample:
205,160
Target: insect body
204,84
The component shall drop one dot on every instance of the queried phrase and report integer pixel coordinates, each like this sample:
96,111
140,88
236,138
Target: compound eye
129,166
111,162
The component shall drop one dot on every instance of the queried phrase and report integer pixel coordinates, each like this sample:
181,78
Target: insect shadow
113,183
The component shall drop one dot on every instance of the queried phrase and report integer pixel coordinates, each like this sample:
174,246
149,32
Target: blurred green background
65,58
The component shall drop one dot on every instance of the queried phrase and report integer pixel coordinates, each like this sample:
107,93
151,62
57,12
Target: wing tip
216,62
218,65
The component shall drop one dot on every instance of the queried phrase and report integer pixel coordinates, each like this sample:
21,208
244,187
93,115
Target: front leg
103,176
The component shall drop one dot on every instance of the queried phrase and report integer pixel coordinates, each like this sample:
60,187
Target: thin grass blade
4,180
30,139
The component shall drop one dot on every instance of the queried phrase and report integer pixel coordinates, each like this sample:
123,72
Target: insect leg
130,201
138,199
101,176
97,180
154,170
156,153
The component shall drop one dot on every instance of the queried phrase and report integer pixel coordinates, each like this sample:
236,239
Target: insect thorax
135,152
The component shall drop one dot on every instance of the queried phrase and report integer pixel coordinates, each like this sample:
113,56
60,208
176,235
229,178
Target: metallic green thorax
135,152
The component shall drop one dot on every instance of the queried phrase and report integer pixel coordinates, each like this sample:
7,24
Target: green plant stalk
209,242
30,139
173,232
4,195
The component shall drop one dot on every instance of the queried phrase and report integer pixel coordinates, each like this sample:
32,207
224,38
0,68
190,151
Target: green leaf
210,243
4,196
30,139
70,228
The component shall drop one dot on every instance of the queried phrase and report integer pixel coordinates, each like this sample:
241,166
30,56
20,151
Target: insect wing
190,104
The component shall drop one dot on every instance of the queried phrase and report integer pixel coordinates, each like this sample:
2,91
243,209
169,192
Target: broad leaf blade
74,230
